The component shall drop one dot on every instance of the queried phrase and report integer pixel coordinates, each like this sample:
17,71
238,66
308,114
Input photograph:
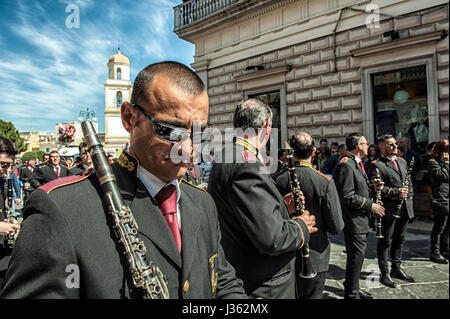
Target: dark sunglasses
391,145
6,164
171,133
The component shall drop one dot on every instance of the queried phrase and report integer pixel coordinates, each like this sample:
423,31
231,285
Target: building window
401,105
273,100
119,74
119,99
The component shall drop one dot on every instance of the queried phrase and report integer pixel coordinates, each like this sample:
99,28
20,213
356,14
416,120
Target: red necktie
193,172
362,167
167,203
57,170
395,163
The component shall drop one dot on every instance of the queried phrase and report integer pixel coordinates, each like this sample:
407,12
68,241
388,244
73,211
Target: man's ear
128,115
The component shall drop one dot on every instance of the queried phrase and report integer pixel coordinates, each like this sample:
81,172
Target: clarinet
405,184
9,239
307,267
145,274
378,200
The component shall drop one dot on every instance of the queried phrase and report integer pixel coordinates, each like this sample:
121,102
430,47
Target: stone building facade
330,67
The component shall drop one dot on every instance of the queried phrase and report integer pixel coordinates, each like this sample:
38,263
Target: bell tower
117,90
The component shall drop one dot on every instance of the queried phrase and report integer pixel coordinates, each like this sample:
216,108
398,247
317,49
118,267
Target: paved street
432,280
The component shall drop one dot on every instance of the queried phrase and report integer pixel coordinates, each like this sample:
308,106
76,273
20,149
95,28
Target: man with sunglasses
86,160
67,231
8,151
393,171
357,206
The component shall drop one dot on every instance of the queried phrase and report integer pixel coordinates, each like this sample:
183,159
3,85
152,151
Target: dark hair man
259,238
177,221
50,171
322,201
86,160
354,193
8,151
393,173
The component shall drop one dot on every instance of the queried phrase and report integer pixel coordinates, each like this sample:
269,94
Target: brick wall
319,100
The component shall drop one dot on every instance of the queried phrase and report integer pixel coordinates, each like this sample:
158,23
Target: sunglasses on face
171,133
6,165
393,145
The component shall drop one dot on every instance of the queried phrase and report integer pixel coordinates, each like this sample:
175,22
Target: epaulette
248,156
186,182
344,159
324,175
63,182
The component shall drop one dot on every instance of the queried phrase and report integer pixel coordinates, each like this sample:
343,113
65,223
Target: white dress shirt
155,184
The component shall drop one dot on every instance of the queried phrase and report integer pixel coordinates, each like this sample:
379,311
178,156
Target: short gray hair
251,113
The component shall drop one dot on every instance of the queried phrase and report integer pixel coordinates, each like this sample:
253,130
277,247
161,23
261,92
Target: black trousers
355,245
393,230
439,233
311,288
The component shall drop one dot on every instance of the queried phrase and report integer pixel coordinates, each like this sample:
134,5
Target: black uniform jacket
45,173
354,194
4,250
393,180
26,174
77,169
65,229
438,172
322,201
258,236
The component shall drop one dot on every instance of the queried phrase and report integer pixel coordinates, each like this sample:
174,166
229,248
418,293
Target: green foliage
7,129
28,155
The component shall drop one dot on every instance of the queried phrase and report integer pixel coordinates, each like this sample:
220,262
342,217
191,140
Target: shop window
401,105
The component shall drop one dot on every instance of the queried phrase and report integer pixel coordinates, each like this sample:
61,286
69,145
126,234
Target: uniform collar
155,184
353,156
248,147
305,164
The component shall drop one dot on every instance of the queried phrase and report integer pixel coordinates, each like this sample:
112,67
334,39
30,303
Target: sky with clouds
49,72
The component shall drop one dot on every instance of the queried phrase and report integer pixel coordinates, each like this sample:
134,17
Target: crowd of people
227,229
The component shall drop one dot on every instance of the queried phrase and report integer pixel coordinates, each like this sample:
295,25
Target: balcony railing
196,10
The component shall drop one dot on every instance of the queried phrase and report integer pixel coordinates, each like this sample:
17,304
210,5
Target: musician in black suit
322,201
49,171
354,193
25,176
75,253
8,151
258,236
393,172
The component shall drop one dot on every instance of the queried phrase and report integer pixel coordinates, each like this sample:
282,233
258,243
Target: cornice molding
396,44
260,74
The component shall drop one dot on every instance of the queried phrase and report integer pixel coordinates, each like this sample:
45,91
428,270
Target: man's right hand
378,209
403,192
8,228
309,220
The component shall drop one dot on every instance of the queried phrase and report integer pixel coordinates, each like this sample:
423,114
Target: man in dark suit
259,238
86,160
49,172
393,172
8,151
194,175
354,193
68,233
322,201
25,176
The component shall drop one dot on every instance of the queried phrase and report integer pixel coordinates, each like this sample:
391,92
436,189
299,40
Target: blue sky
49,72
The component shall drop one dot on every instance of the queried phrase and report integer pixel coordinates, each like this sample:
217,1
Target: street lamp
86,113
